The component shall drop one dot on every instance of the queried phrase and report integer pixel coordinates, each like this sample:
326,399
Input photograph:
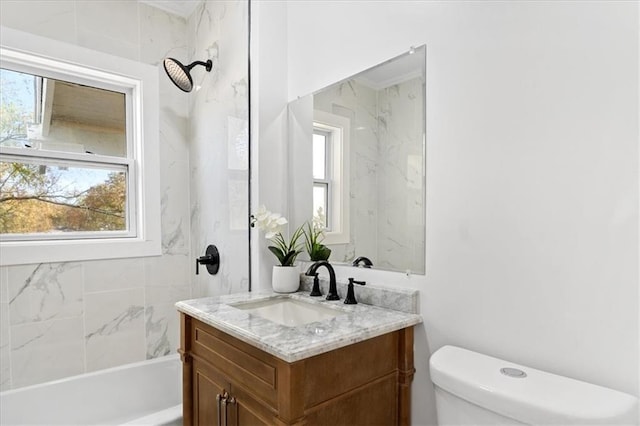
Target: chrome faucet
333,291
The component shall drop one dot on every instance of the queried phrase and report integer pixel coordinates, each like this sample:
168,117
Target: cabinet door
246,411
208,385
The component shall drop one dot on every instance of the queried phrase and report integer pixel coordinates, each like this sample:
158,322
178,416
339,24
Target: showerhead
181,75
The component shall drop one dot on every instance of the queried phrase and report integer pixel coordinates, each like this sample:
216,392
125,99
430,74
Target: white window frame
326,181
37,55
71,159
338,204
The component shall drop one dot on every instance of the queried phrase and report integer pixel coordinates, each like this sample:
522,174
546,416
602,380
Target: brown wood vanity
229,382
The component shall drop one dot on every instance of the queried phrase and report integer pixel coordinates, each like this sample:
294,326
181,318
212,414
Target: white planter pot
285,279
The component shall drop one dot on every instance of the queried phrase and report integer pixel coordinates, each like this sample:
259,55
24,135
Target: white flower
270,223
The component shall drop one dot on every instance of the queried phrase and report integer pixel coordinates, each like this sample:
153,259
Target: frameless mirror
357,157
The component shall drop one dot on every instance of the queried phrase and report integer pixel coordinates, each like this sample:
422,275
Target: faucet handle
351,297
315,291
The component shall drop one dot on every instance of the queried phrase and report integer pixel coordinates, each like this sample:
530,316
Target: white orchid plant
271,224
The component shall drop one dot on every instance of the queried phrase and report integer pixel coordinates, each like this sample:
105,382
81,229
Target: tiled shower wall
63,319
219,142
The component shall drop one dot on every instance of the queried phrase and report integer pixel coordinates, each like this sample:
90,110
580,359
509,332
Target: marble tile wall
63,319
219,143
400,177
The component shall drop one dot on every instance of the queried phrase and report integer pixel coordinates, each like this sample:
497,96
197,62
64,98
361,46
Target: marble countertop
355,323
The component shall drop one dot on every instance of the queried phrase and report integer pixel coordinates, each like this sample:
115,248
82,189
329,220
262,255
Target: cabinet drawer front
247,365
372,404
333,373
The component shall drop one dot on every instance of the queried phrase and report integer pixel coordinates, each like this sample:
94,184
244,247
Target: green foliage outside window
40,196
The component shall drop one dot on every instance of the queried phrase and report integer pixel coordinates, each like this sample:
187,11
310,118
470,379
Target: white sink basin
289,312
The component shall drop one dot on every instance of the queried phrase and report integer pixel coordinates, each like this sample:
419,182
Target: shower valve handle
211,259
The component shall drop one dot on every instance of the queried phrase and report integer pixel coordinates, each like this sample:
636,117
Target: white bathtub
144,393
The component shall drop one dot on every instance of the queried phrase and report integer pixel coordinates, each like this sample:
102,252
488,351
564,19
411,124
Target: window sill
28,252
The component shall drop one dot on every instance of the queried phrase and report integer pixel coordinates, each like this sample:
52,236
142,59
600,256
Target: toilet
476,389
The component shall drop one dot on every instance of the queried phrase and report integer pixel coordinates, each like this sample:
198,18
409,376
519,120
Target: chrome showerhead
180,75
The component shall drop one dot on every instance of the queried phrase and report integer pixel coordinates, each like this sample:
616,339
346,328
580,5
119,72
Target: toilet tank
473,388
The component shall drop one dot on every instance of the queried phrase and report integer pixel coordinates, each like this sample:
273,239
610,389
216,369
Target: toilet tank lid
538,398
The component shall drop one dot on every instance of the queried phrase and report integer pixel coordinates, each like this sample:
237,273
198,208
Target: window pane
320,200
44,196
17,107
319,156
44,113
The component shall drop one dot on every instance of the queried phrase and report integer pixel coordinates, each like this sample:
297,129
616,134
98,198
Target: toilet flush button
513,372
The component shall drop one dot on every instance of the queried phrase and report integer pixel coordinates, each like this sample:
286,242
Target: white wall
532,171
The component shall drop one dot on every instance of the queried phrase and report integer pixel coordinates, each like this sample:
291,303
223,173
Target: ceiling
183,8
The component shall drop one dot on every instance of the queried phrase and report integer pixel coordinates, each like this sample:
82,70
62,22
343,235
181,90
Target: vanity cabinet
229,382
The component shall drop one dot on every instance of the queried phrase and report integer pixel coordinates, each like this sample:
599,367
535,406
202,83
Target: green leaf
290,257
320,252
278,253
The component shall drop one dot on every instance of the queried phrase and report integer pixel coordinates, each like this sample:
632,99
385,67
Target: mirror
357,156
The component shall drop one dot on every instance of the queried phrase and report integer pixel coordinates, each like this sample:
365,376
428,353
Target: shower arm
208,65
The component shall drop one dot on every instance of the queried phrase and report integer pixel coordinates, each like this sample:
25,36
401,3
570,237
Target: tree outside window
48,194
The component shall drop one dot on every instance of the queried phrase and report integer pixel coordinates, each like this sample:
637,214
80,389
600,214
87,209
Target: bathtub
143,393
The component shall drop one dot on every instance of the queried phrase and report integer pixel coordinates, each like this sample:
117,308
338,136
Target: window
78,153
64,168
331,173
322,174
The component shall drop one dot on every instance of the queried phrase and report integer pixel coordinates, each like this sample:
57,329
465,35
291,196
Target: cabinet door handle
223,409
225,400
220,399
229,400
